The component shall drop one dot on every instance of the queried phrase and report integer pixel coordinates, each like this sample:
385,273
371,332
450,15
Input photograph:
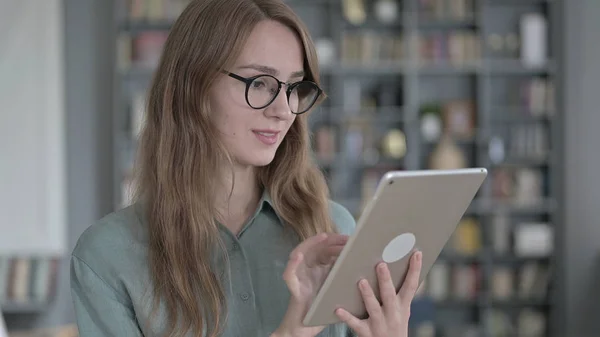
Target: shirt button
235,246
244,296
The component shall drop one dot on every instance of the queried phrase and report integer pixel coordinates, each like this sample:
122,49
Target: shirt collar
266,204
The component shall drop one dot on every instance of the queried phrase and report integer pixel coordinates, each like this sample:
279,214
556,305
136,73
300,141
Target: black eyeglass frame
288,90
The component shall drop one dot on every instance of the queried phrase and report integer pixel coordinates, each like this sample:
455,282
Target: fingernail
363,283
419,256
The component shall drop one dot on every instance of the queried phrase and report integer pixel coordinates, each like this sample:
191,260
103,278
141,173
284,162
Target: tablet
410,210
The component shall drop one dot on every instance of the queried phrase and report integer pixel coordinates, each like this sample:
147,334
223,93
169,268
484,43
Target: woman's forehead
275,46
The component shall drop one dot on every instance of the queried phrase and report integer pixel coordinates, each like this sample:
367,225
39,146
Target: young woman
232,231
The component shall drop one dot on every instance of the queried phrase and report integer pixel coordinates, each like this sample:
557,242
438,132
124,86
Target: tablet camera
398,247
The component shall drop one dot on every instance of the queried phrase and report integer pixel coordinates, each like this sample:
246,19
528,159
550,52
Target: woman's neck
237,205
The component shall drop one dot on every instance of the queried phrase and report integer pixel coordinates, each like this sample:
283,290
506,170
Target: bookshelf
416,84
27,283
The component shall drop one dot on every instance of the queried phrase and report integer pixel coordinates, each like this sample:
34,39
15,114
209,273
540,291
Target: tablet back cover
411,210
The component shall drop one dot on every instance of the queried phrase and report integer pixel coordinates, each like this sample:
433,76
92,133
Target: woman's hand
307,268
390,318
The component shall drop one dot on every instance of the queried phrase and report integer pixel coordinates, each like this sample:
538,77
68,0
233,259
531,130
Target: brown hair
179,158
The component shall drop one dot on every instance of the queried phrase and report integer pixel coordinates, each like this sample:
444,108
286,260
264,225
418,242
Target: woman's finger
360,327
289,274
337,239
329,254
327,250
310,248
311,242
387,290
411,282
371,303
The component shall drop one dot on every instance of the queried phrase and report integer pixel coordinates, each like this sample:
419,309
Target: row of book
369,47
538,96
27,279
522,186
530,322
452,282
530,142
446,10
530,282
456,48
523,239
358,12
529,96
463,282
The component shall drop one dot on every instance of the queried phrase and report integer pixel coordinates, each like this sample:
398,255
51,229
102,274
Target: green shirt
110,275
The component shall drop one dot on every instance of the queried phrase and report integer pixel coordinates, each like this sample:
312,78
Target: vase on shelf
447,155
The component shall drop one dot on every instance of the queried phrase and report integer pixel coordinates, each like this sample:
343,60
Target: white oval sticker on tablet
399,247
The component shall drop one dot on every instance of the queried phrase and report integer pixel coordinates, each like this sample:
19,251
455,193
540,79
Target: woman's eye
257,84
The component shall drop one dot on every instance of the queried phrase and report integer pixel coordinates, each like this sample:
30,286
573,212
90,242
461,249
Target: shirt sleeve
99,309
342,218
346,224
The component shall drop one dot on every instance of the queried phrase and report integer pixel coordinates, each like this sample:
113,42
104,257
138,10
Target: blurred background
510,85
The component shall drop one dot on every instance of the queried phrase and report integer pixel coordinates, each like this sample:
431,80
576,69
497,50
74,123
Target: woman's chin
263,162
260,159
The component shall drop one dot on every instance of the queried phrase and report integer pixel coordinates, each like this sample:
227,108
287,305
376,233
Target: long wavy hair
179,156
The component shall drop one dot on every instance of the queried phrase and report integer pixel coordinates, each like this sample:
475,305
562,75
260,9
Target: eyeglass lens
264,89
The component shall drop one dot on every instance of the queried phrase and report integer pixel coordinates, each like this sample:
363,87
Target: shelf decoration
534,35
387,11
459,119
447,155
354,11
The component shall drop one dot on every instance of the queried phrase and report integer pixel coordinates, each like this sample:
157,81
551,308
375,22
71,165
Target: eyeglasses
261,91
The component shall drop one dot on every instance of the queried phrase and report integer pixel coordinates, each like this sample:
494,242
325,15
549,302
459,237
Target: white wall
32,128
88,57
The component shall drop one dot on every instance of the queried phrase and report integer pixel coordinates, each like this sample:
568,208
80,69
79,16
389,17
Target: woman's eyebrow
298,74
270,70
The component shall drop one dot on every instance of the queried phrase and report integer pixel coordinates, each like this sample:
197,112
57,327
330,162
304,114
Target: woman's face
252,136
